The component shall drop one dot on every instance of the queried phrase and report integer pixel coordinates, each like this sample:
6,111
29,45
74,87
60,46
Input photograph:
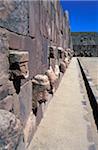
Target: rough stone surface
14,16
25,100
4,64
16,56
51,75
34,18
10,130
7,103
29,129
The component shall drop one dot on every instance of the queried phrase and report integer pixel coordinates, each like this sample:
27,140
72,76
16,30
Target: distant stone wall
85,43
27,30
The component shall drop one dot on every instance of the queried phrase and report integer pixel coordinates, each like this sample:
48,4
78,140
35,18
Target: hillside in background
85,43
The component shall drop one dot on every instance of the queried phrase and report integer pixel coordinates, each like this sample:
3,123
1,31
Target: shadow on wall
16,76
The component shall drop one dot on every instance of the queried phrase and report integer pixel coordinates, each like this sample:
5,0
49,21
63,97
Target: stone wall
27,30
85,43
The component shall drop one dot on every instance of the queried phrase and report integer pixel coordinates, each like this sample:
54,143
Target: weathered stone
51,75
7,103
45,33
62,67
40,86
32,25
3,79
10,87
19,64
4,65
41,19
48,26
41,80
4,91
14,16
16,41
10,130
16,105
29,129
57,71
25,100
44,57
18,56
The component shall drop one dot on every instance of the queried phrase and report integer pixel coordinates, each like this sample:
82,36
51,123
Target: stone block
16,106
53,30
32,25
4,41
48,26
44,23
41,18
7,103
31,46
18,56
19,64
6,88
29,129
51,75
25,100
16,41
34,17
62,67
4,65
39,114
4,91
40,85
10,130
44,56
14,16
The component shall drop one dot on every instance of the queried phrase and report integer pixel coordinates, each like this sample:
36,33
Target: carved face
24,69
19,63
6,6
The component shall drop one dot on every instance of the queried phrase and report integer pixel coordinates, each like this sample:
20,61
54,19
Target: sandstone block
34,17
16,41
29,129
32,25
62,67
14,16
25,100
16,105
7,103
10,130
19,63
4,91
44,23
41,80
4,65
18,56
51,75
39,88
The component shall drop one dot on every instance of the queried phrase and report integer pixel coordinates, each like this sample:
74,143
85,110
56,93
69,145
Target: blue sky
83,15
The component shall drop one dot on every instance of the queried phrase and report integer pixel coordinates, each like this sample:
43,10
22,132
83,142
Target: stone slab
25,101
14,16
10,130
7,103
